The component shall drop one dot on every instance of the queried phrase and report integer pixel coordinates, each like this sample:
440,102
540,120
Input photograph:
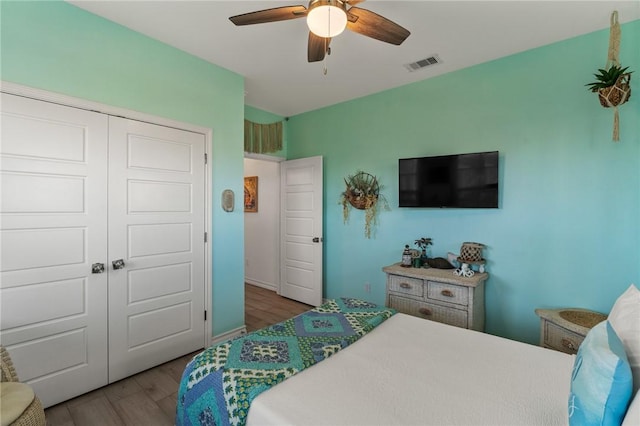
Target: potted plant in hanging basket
612,86
363,193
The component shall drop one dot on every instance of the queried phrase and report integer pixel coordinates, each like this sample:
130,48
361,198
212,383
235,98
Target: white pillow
632,418
625,320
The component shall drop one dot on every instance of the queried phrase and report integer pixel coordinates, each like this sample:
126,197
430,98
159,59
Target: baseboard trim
261,284
228,335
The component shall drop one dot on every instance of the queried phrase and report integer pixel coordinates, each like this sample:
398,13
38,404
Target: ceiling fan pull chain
324,68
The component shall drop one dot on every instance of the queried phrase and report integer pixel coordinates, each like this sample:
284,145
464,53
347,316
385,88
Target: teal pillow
601,382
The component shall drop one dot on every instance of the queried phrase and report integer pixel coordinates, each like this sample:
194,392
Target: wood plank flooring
264,307
149,398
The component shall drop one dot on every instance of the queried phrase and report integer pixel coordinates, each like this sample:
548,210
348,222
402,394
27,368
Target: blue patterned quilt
218,385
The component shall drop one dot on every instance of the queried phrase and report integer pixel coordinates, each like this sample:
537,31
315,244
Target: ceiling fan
328,18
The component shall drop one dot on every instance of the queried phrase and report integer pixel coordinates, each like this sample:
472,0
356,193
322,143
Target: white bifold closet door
82,189
156,226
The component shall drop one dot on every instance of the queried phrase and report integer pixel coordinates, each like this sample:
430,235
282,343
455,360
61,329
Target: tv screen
462,181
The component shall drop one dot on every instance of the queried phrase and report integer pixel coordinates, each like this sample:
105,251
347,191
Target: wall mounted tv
458,181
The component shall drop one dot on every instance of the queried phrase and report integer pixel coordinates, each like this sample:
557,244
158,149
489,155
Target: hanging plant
612,86
613,83
363,193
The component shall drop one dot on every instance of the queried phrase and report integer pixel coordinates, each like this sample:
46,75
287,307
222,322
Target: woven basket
362,190
617,94
361,202
471,252
583,318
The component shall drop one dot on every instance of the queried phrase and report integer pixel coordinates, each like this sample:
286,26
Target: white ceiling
272,57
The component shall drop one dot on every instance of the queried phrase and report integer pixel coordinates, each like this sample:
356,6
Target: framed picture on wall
251,194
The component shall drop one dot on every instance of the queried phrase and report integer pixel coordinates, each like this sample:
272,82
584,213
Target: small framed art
251,194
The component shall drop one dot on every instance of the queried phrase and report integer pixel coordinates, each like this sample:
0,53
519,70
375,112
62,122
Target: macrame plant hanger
618,93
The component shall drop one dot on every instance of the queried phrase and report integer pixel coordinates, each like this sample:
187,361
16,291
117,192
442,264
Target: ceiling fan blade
370,24
270,15
353,2
318,47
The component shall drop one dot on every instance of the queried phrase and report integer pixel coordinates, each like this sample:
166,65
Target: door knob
118,264
316,239
97,268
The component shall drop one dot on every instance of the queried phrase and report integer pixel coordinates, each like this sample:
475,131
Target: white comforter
410,371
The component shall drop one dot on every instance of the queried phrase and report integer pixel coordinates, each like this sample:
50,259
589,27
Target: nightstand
565,329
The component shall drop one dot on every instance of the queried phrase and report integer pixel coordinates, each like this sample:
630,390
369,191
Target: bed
397,370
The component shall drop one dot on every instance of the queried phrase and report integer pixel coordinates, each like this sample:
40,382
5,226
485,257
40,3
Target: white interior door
53,315
301,230
156,227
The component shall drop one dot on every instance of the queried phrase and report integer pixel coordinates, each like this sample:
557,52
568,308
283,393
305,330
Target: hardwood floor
149,398
264,307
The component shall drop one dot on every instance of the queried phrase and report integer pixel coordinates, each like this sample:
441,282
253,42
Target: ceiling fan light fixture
327,18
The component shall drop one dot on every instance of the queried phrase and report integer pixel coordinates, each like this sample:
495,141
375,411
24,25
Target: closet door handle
118,264
97,268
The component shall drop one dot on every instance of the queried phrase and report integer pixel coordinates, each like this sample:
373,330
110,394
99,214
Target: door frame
70,101
272,159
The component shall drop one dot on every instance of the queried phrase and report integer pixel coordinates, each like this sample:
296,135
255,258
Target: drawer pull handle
447,293
405,285
425,311
568,344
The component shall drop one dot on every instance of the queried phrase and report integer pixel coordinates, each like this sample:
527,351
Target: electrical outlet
367,287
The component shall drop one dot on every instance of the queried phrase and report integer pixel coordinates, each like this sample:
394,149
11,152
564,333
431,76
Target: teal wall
61,48
257,115
567,232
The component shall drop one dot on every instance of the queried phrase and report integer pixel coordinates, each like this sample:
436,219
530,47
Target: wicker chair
33,413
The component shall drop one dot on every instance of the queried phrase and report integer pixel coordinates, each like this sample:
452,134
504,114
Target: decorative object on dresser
565,329
439,263
423,244
437,294
470,255
406,257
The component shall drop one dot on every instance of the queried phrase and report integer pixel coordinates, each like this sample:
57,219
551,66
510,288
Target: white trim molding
228,335
263,157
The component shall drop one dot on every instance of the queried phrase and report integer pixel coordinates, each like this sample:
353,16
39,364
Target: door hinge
205,315
206,158
205,237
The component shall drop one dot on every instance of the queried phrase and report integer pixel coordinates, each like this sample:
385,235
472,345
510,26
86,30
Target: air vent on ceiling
423,63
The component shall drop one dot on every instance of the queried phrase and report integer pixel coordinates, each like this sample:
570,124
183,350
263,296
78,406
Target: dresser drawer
429,311
406,285
561,339
448,293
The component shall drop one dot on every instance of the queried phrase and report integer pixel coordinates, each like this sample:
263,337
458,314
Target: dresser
565,329
437,295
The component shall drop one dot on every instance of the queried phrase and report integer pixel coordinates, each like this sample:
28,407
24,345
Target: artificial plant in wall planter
612,86
363,193
613,83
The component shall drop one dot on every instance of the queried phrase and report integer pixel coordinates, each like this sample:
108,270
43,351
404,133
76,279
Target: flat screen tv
457,181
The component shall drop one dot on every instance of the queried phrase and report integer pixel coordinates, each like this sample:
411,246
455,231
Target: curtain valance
262,138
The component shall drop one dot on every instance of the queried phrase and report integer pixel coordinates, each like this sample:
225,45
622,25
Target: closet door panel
53,316
156,225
